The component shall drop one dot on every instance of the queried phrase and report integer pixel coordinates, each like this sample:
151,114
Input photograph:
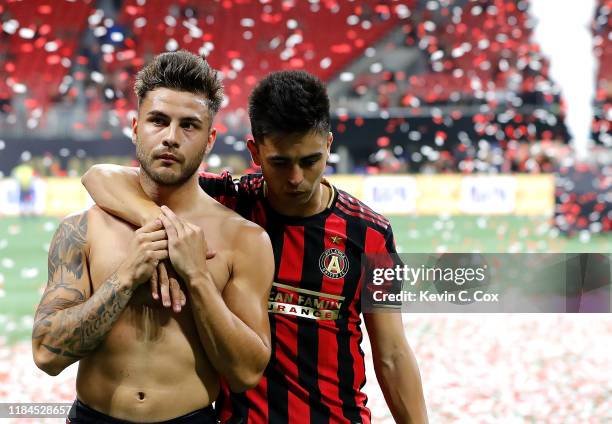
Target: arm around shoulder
99,178
117,190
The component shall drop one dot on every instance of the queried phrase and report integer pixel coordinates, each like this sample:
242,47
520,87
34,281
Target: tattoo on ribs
68,323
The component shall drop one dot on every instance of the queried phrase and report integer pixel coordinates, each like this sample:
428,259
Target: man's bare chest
110,246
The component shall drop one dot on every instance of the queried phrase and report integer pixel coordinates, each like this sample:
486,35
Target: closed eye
309,162
279,163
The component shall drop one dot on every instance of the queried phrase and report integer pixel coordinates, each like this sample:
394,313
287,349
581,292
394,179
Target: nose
296,176
171,137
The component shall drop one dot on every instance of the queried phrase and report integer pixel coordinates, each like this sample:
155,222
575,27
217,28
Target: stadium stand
474,89
602,29
39,42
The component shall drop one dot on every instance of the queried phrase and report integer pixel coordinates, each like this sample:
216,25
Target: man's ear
330,140
212,137
134,130
254,149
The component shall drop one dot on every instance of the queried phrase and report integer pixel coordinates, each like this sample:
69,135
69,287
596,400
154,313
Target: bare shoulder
97,214
235,224
247,236
101,223
251,253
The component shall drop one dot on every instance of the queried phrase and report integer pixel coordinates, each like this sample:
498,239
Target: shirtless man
138,361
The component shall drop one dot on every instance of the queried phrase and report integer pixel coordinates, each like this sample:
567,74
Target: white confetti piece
29,273
7,263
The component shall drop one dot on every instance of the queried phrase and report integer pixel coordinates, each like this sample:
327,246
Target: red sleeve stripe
358,206
350,199
342,208
353,204
364,212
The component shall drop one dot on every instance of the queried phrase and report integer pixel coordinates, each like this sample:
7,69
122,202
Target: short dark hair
289,102
182,71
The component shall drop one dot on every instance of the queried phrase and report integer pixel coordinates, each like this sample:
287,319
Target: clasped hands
185,242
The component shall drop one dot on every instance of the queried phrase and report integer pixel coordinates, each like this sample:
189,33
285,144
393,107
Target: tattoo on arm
68,323
66,249
77,331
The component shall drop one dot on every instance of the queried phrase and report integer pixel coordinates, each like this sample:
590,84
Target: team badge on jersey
334,263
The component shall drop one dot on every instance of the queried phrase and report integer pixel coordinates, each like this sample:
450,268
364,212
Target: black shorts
83,414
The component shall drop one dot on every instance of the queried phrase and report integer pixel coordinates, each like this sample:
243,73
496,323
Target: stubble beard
188,168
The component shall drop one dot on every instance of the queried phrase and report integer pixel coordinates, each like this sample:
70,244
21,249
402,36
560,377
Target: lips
168,157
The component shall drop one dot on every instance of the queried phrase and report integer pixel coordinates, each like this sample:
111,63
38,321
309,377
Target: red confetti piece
44,9
53,59
383,141
341,48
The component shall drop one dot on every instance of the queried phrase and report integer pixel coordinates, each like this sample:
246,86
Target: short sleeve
222,187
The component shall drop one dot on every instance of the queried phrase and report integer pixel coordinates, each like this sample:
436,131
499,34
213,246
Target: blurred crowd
67,70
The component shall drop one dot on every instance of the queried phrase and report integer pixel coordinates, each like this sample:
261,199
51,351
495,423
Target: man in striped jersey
318,234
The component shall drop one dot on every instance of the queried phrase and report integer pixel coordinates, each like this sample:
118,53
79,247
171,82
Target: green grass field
24,244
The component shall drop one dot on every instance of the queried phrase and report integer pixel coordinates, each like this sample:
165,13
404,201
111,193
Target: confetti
7,263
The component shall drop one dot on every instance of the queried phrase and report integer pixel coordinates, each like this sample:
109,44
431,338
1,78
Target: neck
317,204
179,198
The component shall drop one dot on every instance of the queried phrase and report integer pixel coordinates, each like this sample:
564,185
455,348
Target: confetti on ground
480,368
475,368
536,368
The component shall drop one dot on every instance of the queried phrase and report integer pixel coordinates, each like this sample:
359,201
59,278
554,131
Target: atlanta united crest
334,263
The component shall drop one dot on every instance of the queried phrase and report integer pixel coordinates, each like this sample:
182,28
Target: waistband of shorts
203,415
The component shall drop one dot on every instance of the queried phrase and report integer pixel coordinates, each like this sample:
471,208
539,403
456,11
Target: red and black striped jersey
317,368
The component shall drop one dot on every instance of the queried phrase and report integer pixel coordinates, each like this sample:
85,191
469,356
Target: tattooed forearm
69,323
76,331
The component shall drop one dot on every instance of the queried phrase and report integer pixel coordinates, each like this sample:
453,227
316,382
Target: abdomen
151,367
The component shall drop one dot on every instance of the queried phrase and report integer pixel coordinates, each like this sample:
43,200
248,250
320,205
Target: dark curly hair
289,102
